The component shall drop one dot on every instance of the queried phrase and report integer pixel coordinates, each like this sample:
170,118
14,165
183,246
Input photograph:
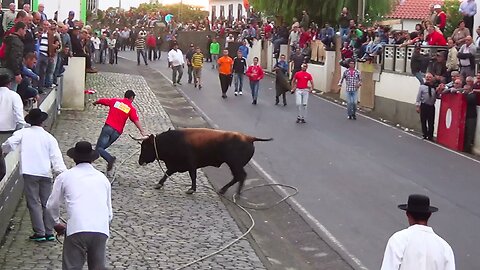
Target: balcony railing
397,59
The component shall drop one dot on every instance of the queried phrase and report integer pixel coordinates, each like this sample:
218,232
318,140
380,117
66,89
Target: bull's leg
239,176
193,176
160,183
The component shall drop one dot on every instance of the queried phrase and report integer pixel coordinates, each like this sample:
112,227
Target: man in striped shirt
47,52
197,64
140,46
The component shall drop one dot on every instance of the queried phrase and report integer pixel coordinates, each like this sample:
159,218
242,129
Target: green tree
321,11
453,16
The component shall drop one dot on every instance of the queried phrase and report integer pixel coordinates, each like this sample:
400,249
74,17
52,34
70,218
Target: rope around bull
233,201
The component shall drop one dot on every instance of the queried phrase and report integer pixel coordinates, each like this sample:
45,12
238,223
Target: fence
397,59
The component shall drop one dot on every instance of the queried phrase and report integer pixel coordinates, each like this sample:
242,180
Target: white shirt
467,49
87,196
417,248
176,57
96,43
39,151
294,38
11,106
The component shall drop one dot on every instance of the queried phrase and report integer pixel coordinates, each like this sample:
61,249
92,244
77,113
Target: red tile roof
413,9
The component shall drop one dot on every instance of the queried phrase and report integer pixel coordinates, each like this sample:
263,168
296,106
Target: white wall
408,25
50,7
397,87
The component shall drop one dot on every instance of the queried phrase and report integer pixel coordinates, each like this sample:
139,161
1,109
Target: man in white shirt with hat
87,195
418,247
39,153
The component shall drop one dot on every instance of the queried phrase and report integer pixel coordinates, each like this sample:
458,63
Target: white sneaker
236,93
240,93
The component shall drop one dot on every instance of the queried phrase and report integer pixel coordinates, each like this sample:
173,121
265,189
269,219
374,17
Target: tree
321,11
453,16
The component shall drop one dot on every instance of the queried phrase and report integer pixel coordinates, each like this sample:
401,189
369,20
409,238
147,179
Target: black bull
186,150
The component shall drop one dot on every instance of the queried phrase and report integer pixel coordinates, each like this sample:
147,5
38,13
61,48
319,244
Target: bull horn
138,139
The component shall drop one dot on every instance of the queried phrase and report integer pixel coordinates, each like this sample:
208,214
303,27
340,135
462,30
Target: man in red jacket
121,109
435,38
441,18
152,45
255,74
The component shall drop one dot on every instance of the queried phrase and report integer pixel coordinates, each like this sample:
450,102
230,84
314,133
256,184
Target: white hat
437,6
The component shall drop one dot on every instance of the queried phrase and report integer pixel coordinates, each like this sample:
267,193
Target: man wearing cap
418,247
121,109
11,117
87,195
39,154
69,21
441,21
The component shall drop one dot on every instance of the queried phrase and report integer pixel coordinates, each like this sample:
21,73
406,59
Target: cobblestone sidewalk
168,227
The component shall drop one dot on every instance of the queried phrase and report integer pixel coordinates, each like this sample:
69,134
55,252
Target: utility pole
361,10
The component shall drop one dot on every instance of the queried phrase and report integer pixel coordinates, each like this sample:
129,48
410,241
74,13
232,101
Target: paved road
351,174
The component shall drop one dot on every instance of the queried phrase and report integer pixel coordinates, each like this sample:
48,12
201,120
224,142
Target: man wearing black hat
418,247
39,154
87,194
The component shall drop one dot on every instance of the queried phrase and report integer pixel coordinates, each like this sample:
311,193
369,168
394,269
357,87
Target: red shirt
303,78
436,39
305,37
120,110
255,73
442,20
151,41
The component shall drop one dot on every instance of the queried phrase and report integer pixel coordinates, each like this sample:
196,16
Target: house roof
413,9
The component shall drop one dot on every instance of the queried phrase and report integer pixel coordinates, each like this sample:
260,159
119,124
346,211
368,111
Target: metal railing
398,59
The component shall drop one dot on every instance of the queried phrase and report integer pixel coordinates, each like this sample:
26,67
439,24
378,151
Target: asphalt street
351,174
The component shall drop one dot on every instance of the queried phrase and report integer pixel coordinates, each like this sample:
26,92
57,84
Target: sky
126,4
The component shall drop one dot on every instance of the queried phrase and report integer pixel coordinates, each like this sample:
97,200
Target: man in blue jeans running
121,109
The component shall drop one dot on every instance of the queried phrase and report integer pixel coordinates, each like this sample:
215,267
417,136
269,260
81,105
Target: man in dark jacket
14,53
419,64
189,56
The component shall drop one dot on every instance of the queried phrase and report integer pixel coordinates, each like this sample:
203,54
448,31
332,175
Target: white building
227,9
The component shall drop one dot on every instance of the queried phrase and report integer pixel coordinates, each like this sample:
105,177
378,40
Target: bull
186,150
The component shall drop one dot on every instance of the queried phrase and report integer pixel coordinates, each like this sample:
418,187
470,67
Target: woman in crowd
460,33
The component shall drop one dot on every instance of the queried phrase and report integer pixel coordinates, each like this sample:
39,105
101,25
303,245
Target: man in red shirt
441,18
434,38
121,109
301,88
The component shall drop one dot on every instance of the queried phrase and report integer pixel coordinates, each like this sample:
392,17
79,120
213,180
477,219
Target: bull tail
255,139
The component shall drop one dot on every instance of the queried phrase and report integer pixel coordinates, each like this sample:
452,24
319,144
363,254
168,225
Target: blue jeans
42,65
352,98
144,56
50,72
254,86
238,80
107,137
344,33
420,75
59,69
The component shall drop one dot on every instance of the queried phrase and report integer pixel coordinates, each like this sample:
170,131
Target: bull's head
147,153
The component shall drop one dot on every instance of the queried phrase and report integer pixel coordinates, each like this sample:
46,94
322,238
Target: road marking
310,219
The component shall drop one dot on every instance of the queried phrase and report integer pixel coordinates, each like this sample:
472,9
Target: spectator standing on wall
418,247
460,33
41,9
305,22
14,53
467,57
294,38
452,59
9,17
353,81
425,102
39,153
344,23
441,20
69,21
468,8
214,52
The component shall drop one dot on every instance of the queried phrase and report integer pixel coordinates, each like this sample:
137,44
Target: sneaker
174,84
179,83
110,164
299,120
199,86
240,93
37,238
354,117
236,93
50,237
349,117
254,102
195,85
303,121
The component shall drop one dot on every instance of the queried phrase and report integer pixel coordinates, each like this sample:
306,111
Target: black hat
83,151
418,204
6,76
36,117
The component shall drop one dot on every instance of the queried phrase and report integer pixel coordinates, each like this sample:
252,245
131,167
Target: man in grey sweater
9,17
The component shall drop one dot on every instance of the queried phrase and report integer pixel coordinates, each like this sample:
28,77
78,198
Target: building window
214,14
230,12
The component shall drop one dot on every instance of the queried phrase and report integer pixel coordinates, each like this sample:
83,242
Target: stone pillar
74,84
